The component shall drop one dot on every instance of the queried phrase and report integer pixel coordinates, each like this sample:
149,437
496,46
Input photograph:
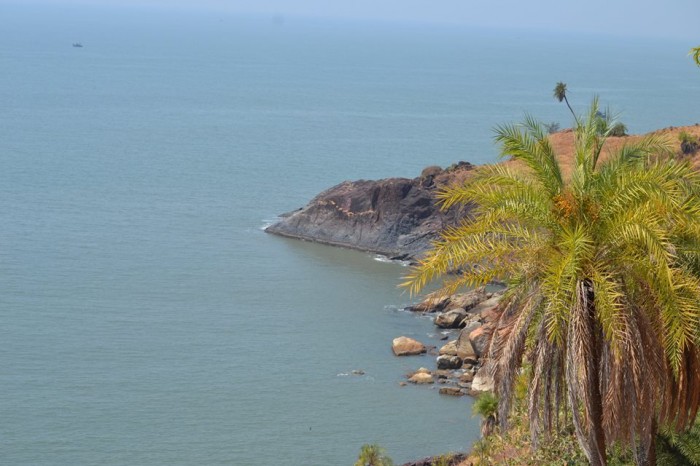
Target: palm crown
602,269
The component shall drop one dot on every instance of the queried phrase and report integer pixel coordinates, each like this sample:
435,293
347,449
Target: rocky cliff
397,217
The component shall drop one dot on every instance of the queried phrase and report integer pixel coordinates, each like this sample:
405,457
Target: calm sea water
147,319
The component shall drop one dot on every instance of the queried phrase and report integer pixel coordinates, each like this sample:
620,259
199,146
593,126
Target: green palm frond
695,52
529,144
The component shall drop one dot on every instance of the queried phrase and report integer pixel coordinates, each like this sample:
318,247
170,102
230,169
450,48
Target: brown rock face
480,338
404,346
394,216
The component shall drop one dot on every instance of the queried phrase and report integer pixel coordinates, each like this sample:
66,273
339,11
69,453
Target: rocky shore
396,217
461,366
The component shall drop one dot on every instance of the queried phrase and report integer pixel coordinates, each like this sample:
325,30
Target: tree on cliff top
602,271
560,94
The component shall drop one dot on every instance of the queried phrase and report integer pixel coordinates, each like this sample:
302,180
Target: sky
644,18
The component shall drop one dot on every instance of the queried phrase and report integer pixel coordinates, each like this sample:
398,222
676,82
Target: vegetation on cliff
602,267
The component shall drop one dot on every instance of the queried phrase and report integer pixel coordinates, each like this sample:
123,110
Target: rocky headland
396,217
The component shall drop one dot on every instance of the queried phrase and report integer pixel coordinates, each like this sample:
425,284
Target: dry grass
563,144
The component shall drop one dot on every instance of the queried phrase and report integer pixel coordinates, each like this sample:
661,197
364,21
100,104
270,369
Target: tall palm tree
560,94
695,52
602,270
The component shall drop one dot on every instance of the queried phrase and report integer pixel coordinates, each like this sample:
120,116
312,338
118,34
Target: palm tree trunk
647,452
596,432
570,109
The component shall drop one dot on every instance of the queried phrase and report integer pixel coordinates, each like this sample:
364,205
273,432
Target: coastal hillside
563,144
399,217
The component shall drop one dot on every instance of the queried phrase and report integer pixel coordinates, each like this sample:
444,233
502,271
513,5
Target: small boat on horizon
77,44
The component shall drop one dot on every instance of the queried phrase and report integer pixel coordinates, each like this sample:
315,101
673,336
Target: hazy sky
654,18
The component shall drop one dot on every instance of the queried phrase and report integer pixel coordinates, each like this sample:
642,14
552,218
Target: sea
147,319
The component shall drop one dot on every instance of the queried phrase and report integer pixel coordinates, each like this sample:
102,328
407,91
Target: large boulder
449,349
421,378
483,379
465,349
405,346
449,362
451,319
480,339
394,216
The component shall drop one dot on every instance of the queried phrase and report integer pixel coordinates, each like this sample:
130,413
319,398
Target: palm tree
560,94
373,455
602,269
695,52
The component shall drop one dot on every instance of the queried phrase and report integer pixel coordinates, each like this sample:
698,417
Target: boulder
421,378
490,315
483,379
466,377
451,319
450,349
452,391
469,300
434,302
449,362
480,339
490,302
404,346
464,348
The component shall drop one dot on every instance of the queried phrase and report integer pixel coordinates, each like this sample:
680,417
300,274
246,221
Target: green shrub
689,143
618,129
373,455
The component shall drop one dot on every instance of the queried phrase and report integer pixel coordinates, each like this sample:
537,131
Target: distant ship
77,44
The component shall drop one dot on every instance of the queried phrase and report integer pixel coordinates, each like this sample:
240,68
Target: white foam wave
387,260
269,222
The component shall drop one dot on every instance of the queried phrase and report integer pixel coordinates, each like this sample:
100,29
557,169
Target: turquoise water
147,319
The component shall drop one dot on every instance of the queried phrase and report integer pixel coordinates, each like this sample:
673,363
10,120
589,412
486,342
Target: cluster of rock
460,363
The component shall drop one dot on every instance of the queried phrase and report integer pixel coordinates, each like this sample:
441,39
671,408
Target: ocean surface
146,318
